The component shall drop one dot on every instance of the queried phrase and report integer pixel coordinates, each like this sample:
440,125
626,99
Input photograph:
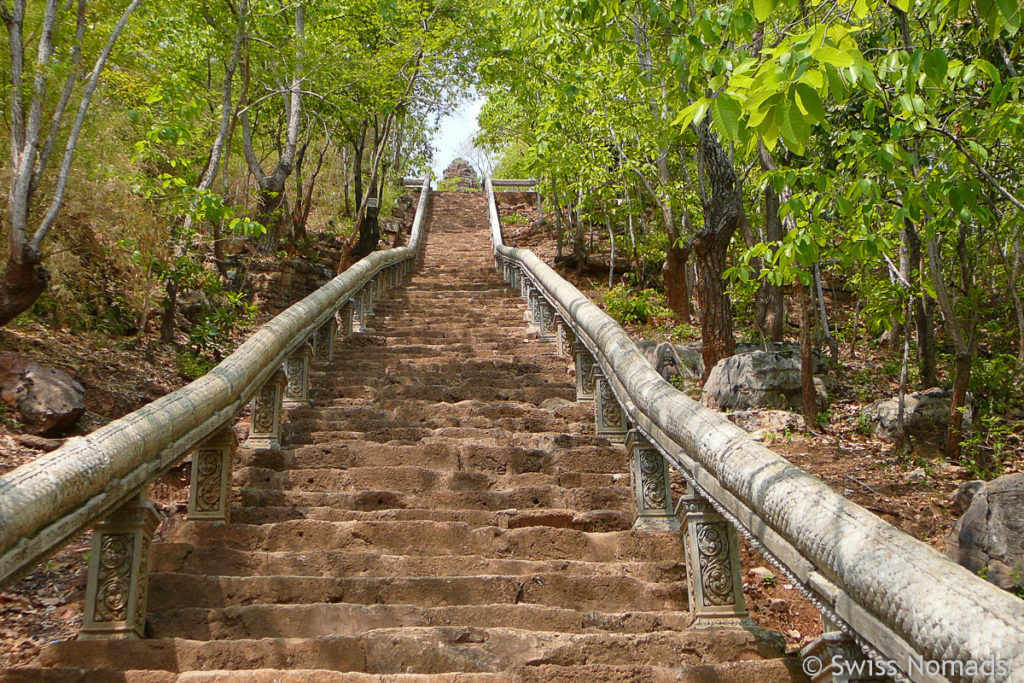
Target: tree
32,144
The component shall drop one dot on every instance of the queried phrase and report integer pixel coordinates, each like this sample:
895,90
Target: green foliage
630,307
193,365
996,382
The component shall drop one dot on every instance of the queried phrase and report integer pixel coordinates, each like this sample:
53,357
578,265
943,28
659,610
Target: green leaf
904,5
763,8
725,112
810,102
935,64
830,55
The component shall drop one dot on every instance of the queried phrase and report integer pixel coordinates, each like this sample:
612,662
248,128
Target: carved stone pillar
566,339
530,315
610,418
209,492
524,285
115,596
584,372
296,371
652,486
358,312
513,276
712,566
265,430
545,319
369,294
345,315
323,341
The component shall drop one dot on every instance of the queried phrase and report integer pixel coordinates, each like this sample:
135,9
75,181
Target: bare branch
981,169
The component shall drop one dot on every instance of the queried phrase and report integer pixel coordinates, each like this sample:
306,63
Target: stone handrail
45,503
900,600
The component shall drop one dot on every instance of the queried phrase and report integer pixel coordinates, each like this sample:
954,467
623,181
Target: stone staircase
427,517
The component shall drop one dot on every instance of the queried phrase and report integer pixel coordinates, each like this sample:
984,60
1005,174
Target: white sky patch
456,129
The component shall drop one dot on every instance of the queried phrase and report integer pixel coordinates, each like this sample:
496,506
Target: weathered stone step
584,432
443,453
217,560
523,498
592,520
345,619
610,593
415,480
434,538
297,430
415,409
421,650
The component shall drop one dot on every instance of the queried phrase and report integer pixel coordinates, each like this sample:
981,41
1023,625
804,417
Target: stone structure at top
463,171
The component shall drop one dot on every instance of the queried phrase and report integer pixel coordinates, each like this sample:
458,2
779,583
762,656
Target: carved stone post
566,338
513,276
545,319
209,493
323,341
265,430
712,566
369,294
358,312
345,315
115,596
524,285
584,372
652,486
530,315
296,371
610,418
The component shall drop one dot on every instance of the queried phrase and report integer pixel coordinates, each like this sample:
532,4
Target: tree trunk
807,393
674,274
954,434
579,246
722,206
24,280
770,317
921,309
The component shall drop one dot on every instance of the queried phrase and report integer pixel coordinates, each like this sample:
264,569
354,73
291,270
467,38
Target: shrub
628,306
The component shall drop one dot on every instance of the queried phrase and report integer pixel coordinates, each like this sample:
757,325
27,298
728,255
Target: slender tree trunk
579,246
559,223
771,304
823,316
807,392
922,318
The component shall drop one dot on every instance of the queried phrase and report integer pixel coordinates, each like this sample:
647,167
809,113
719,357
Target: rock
989,538
778,605
758,379
965,494
464,172
916,475
555,403
762,574
925,417
48,400
762,422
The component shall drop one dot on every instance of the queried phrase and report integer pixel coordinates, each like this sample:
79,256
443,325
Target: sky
453,131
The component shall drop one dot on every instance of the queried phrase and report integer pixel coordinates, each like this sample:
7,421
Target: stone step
434,539
443,453
584,433
414,480
344,619
532,498
215,560
416,409
425,650
609,593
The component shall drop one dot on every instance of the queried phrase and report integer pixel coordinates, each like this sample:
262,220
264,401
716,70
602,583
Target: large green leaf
935,64
725,111
810,102
830,55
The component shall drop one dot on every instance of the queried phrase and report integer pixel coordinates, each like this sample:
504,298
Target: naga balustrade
912,612
101,479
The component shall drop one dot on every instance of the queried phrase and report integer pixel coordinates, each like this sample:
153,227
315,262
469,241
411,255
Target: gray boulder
989,538
925,417
49,401
762,422
760,379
